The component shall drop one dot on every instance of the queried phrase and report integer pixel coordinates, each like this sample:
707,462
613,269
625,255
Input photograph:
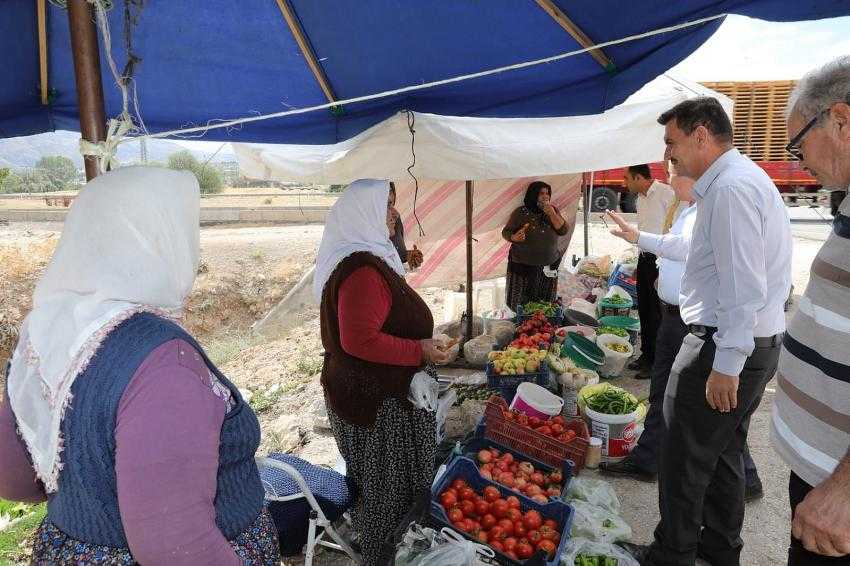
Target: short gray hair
820,89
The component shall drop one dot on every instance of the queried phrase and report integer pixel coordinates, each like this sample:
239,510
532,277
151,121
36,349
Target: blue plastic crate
471,448
506,385
464,468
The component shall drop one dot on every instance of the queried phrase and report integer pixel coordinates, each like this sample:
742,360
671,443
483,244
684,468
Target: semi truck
758,132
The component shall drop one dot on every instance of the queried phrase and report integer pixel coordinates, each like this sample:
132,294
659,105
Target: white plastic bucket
618,433
615,361
536,401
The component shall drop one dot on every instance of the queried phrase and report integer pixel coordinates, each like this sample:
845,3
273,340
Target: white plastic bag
456,551
452,352
596,492
615,362
598,524
502,331
423,391
477,350
576,546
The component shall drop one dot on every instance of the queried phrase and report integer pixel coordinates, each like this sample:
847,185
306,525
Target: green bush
209,178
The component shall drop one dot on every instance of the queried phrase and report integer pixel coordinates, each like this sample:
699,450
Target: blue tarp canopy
206,60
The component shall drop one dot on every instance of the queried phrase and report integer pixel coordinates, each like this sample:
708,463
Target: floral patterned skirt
257,545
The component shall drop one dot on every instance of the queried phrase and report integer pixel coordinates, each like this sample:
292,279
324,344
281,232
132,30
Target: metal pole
588,196
469,313
84,47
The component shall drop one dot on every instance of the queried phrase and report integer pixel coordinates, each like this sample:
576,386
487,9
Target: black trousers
797,553
645,454
701,477
649,307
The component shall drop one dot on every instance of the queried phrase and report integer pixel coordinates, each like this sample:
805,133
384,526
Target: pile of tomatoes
499,522
554,427
520,476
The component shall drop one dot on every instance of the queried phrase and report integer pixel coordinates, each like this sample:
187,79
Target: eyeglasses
793,146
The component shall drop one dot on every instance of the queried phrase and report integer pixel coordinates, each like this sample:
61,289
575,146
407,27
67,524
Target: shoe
640,552
753,491
627,468
639,364
643,373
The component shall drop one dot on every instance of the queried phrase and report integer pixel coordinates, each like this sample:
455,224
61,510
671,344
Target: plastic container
578,318
615,362
507,384
466,470
539,446
608,308
586,331
471,448
536,401
594,453
617,433
582,351
627,323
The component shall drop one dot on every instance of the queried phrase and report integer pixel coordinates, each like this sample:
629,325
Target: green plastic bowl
632,325
582,351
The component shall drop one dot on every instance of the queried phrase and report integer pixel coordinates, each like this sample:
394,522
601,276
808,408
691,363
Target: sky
744,49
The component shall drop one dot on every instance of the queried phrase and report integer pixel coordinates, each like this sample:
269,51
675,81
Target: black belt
706,332
668,308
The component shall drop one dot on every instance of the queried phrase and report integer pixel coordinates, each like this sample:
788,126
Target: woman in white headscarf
114,414
376,331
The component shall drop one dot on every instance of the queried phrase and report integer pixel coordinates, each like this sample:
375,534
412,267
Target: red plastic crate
539,446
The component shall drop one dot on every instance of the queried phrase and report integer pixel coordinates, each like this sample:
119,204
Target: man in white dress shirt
737,278
653,201
672,251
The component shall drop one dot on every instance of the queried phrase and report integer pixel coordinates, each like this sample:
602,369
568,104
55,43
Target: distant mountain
26,151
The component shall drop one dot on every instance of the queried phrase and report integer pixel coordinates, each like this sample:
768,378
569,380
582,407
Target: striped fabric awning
441,208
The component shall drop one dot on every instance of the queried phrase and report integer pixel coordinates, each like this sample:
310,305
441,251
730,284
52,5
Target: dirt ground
246,270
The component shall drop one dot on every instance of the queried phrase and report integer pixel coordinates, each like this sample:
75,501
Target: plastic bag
456,328
576,546
615,361
596,492
502,331
598,523
477,350
423,392
452,352
456,551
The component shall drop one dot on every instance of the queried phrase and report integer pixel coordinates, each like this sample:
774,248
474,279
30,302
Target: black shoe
640,552
639,364
753,491
627,468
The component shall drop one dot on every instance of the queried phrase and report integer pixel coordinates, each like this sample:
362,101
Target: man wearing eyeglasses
811,415
737,278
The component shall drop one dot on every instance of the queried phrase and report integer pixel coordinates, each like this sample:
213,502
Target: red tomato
557,429
507,526
536,478
559,420
468,508
519,529
513,502
503,466
532,520
533,536
522,419
484,456
547,532
524,550
455,515
510,543
459,525
491,494
533,489
488,521
481,507
553,491
540,498
496,545
500,508
468,525
511,554
448,499
545,430
534,422
496,533
548,547
508,457
482,537
486,474
466,494
556,477
507,479
514,514
458,484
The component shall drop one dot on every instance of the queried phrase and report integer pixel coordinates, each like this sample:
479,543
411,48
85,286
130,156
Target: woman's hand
433,352
625,230
520,235
414,257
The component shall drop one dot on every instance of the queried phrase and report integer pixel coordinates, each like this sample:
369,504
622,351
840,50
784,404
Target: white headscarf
130,244
356,223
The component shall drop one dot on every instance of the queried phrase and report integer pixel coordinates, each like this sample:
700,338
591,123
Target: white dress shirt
652,207
738,273
672,251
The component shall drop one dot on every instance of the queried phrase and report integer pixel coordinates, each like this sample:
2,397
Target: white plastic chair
319,525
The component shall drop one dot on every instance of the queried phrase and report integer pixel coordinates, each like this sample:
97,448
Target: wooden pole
84,47
588,198
42,48
469,312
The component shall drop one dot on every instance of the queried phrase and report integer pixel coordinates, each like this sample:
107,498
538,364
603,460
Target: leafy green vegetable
621,332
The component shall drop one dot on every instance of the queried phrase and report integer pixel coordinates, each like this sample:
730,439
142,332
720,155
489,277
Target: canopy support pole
42,49
84,47
588,197
576,32
306,49
469,312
